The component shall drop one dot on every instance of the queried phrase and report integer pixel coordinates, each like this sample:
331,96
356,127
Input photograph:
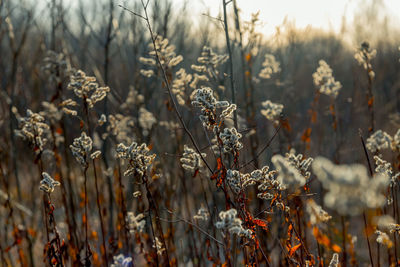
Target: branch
228,45
166,81
195,226
133,13
263,149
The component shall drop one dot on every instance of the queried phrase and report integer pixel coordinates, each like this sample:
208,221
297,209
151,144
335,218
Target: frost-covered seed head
364,54
202,214
136,224
271,111
350,190
47,184
335,260
138,157
166,54
230,139
121,127
300,163
87,88
205,100
146,120
316,213
191,160
288,175
325,81
230,222
81,148
122,261
395,145
383,238
378,141
270,66
234,179
159,246
180,84
33,128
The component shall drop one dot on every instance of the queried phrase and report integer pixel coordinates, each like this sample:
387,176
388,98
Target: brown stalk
104,253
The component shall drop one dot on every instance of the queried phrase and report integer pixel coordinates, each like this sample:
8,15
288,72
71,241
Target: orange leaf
248,57
219,162
260,222
370,101
285,125
336,248
306,135
293,249
94,235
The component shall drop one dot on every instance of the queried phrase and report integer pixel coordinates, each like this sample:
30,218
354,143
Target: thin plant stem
104,251
228,47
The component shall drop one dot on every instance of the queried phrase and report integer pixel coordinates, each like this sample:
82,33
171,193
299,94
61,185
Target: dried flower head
87,88
33,129
122,261
191,160
383,238
378,141
271,111
268,184
133,99
81,148
324,79
102,120
364,54
166,55
350,190
180,85
121,127
288,175
158,246
66,106
204,99
270,66
387,223
47,184
300,163
202,214
207,68
54,112
146,120
317,214
136,223
385,168
230,222
95,154
334,261
230,139
228,111
138,157
395,145
237,181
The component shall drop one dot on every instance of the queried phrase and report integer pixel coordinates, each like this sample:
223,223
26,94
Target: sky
324,14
